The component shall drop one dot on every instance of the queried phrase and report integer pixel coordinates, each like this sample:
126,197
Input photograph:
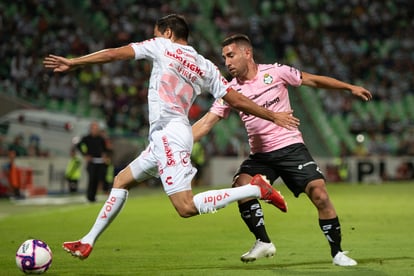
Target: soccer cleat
78,249
342,259
268,193
259,250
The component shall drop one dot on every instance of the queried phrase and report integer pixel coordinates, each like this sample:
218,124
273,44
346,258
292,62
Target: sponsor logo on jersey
168,152
186,63
187,74
268,104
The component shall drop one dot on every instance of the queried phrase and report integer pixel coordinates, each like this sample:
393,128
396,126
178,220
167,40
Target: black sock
252,214
332,231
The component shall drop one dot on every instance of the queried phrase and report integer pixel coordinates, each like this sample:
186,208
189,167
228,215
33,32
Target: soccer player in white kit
178,75
276,151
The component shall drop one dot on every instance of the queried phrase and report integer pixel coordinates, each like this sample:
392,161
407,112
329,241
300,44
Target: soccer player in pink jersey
178,75
276,151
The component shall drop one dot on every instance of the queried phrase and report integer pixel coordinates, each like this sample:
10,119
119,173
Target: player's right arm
203,126
242,103
62,64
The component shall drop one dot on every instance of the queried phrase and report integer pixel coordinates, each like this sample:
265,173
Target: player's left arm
325,82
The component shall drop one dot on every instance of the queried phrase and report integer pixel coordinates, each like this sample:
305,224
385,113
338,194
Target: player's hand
57,63
362,93
286,120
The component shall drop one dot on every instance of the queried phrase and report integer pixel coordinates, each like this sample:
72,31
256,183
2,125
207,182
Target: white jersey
178,75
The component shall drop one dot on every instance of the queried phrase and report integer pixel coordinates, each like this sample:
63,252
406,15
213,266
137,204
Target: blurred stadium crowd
359,41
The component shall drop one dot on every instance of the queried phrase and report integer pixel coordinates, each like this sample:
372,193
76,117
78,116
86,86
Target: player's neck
251,72
179,41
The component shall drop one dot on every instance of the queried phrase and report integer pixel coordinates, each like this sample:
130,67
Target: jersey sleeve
220,108
289,74
217,85
146,49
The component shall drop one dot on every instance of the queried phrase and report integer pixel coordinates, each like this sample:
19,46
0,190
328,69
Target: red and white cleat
268,193
78,249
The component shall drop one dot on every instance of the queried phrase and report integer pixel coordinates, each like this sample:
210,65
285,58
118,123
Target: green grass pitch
149,238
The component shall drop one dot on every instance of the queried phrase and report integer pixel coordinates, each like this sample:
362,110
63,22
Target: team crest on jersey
267,79
185,158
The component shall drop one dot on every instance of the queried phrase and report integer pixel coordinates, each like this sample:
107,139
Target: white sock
109,211
211,201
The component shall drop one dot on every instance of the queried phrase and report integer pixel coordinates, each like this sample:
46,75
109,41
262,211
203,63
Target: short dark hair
238,39
176,23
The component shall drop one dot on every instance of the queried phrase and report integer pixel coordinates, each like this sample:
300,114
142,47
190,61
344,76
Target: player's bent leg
184,204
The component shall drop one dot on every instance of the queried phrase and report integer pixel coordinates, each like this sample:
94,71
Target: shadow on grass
322,267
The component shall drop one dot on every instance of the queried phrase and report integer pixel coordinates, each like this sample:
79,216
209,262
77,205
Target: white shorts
168,157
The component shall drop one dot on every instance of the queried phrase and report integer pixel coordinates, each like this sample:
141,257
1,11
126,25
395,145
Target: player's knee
321,201
185,212
118,183
123,180
319,196
240,180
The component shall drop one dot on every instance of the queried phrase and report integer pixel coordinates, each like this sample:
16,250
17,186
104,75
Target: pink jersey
268,89
178,75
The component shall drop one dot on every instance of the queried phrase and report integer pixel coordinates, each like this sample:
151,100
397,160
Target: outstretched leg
111,208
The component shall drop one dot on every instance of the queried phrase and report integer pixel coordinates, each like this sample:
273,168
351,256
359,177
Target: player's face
235,59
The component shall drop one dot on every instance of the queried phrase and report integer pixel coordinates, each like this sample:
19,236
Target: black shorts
293,164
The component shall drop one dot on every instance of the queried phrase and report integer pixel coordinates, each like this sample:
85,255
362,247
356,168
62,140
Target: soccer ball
34,256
